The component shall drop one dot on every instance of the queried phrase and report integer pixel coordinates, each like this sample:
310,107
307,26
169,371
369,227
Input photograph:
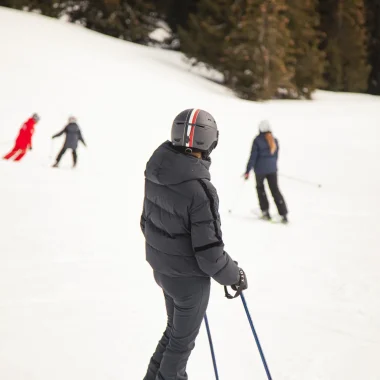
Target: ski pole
301,180
211,348
256,337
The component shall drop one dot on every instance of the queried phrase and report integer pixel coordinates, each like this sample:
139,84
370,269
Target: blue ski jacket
261,159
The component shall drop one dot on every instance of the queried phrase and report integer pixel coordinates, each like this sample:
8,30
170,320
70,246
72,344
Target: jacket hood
167,166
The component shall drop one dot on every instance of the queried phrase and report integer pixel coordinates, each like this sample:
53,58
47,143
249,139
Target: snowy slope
77,299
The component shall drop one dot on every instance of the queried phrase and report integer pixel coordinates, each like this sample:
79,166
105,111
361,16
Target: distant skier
263,161
73,136
184,245
24,139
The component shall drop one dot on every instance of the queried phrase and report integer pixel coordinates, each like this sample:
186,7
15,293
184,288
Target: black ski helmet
195,129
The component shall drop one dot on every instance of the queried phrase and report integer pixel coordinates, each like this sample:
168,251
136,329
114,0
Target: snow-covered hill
77,299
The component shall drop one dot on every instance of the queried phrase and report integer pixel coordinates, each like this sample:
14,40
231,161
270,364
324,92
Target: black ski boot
284,219
265,215
55,165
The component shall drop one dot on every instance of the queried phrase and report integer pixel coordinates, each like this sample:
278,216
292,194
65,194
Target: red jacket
24,138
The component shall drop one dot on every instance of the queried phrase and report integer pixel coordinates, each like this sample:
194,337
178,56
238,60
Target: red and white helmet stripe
190,131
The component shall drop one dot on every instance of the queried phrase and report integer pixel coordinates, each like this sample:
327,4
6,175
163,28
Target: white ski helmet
264,126
72,119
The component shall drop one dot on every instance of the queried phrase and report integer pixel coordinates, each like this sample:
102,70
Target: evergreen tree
131,20
246,40
17,4
373,19
207,28
345,44
176,13
257,50
309,60
50,8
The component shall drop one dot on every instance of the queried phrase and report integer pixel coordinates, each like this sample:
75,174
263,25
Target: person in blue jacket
263,161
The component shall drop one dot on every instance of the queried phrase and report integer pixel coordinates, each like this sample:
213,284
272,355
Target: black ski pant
273,186
186,300
63,151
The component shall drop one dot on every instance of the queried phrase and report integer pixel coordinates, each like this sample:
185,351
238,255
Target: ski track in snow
78,300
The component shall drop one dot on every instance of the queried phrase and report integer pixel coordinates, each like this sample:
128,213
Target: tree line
264,49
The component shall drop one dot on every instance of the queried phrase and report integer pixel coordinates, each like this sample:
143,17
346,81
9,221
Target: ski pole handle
231,297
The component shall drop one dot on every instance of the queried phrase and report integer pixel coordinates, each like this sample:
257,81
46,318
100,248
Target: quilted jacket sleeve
206,236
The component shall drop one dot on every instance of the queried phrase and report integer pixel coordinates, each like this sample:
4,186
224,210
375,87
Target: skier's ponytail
271,142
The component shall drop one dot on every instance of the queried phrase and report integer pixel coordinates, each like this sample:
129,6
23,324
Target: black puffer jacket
180,219
73,136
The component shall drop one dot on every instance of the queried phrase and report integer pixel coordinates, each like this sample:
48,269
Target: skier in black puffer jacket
184,245
73,136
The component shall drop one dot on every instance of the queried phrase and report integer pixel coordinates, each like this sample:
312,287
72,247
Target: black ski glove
242,284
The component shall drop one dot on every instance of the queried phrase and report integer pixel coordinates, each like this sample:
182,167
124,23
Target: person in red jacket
24,139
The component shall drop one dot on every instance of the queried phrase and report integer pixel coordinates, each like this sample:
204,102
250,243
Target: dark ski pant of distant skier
63,151
186,300
273,186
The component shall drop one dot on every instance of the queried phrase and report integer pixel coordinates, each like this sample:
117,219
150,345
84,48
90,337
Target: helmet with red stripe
195,130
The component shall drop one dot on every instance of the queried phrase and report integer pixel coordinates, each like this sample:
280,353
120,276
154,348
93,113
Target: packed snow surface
77,298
